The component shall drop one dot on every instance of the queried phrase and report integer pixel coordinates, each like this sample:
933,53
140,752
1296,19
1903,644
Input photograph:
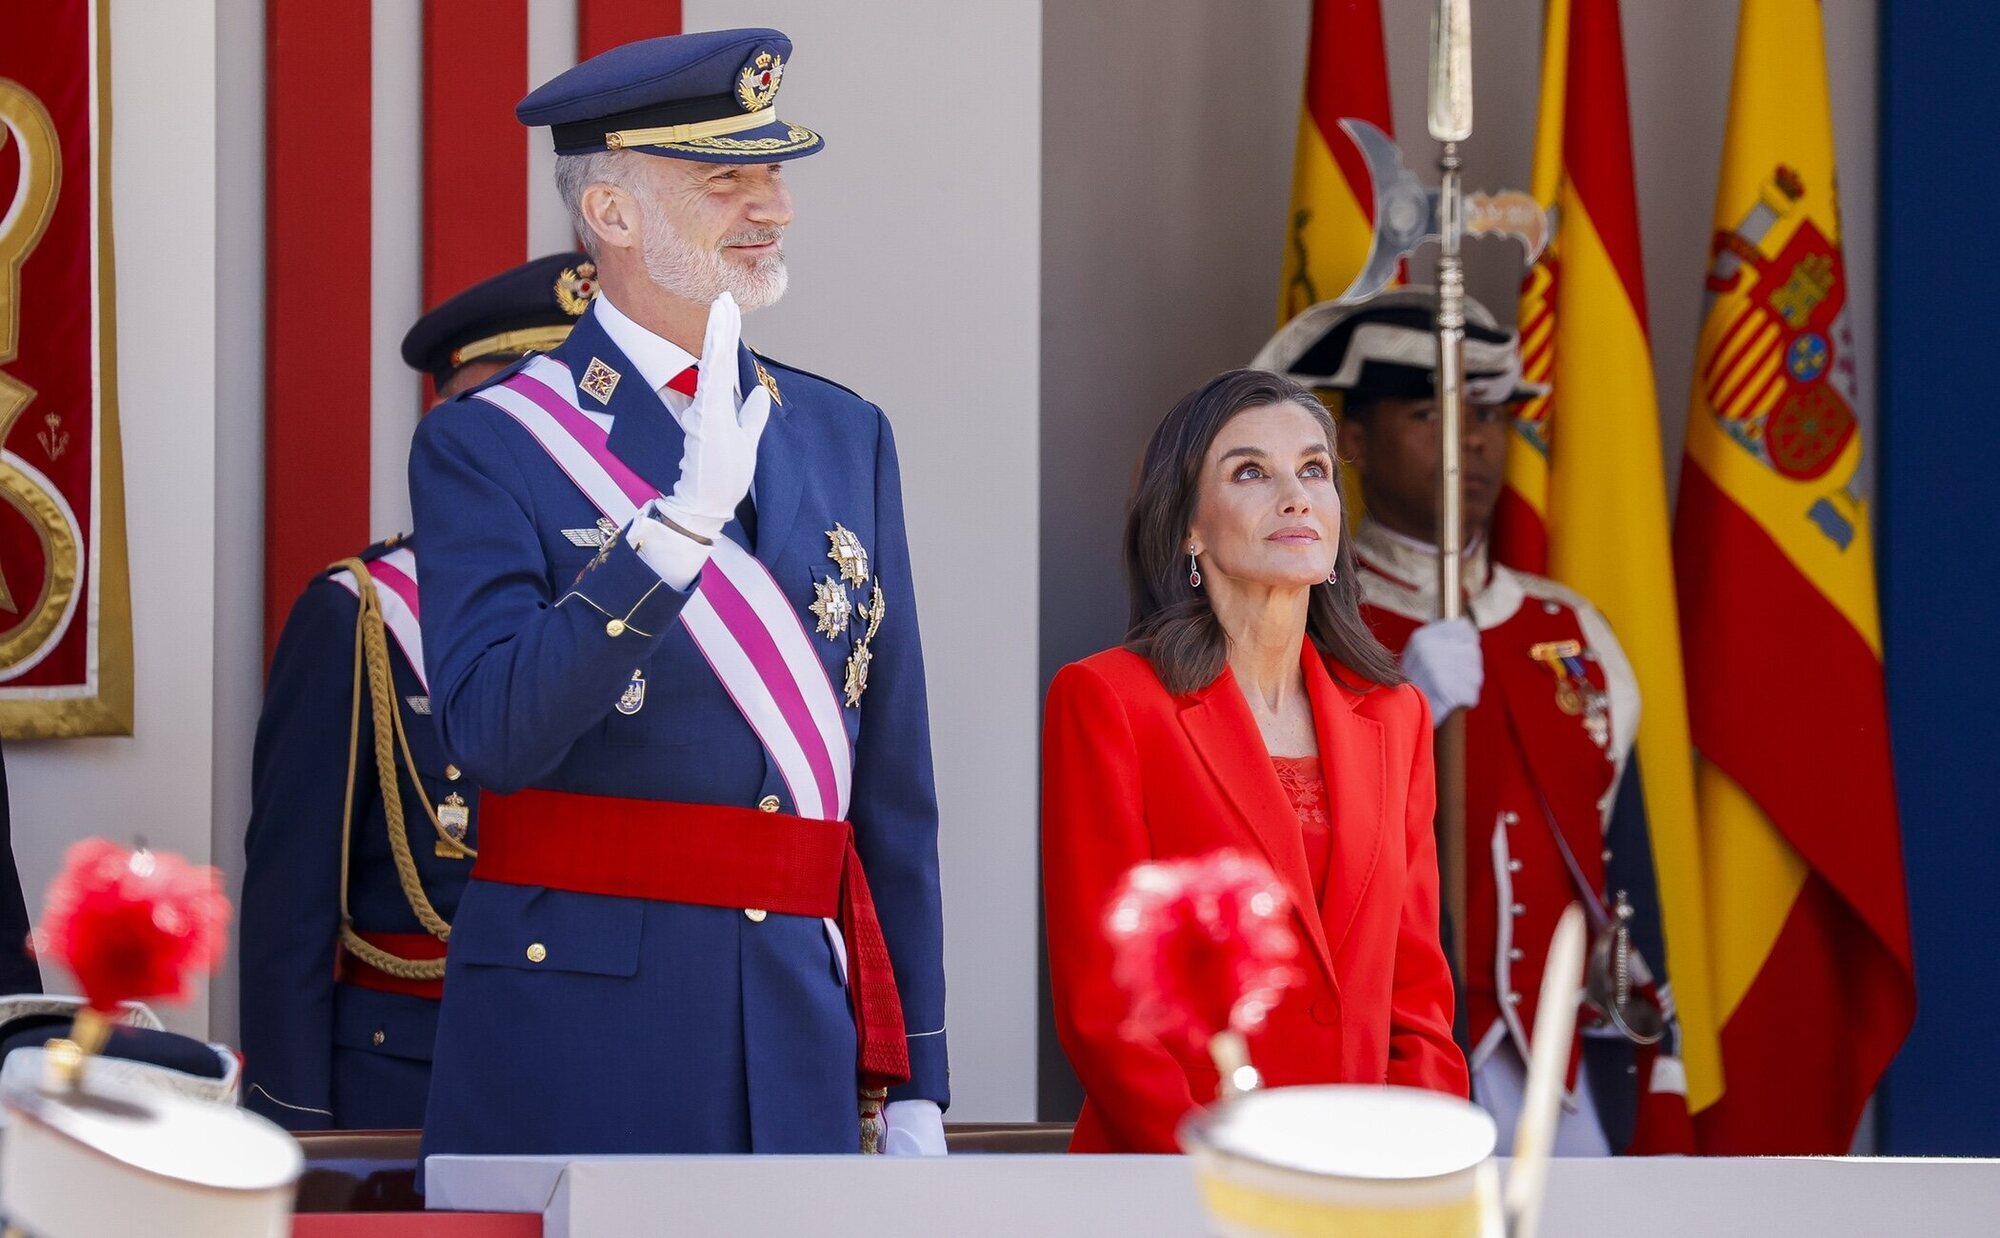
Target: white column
916,281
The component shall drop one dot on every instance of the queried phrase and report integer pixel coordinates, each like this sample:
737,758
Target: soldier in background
18,971
361,834
1554,811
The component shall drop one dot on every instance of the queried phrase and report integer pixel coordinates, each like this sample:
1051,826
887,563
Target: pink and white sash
395,576
740,619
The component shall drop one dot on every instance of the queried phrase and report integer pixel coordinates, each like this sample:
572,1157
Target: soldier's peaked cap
1386,348
710,97
527,309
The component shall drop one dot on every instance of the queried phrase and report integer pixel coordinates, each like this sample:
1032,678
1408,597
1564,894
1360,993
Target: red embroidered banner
65,601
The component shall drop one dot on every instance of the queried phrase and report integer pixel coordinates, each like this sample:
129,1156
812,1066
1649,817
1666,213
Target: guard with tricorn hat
1553,808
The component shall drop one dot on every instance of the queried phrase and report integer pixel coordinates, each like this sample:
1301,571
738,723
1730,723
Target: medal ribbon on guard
65,599
739,618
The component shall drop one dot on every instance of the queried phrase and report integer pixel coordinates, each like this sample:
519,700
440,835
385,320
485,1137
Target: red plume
132,925
1202,946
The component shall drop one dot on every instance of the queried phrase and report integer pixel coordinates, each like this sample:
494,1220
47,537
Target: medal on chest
455,819
1576,695
843,603
633,699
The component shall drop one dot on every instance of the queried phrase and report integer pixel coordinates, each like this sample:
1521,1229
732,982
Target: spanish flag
1813,981
1585,469
1332,218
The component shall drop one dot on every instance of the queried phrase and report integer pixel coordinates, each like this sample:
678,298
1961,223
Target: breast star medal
848,555
836,610
831,607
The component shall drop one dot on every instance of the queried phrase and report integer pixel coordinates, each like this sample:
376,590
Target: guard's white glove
720,459
1444,661
915,1128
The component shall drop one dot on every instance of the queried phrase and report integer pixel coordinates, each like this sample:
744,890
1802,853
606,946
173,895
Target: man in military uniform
361,832
1554,812
705,914
19,973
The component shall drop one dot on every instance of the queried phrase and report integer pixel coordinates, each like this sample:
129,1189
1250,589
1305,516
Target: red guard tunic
1546,747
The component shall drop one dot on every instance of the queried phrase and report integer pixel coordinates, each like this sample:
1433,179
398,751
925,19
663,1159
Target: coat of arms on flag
1780,379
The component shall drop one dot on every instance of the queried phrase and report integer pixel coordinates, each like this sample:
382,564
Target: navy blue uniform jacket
647,1026
320,1055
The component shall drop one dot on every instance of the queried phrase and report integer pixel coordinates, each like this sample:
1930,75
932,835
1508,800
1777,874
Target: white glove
1444,661
720,459
915,1128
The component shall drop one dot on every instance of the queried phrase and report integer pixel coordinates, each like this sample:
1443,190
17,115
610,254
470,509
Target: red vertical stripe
475,212
604,24
1597,141
317,237
1347,75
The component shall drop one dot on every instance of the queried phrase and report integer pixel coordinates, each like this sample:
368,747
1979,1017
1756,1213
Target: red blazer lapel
1219,724
1355,761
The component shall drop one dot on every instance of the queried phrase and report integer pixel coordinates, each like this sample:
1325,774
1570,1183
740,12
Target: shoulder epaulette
818,378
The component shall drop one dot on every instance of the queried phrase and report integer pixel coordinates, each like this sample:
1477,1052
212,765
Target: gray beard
699,275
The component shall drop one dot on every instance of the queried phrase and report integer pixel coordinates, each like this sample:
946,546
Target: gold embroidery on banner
43,613
105,706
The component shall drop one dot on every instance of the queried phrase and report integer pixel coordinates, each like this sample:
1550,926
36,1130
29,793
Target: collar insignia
770,384
599,381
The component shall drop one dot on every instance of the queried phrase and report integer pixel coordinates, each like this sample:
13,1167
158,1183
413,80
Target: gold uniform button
537,952
452,773
379,1036
615,628
768,804
755,914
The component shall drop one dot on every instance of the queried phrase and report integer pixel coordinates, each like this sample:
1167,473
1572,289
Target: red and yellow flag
1586,477
1812,969
1332,218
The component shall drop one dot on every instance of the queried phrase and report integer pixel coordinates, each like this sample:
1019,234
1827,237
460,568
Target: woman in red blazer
1249,708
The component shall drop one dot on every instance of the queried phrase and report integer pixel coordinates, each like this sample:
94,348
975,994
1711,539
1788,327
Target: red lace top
1304,786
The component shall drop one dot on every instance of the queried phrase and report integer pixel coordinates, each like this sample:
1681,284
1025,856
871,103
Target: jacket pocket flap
536,929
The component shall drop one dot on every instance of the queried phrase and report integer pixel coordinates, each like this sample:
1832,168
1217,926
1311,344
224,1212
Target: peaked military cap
528,309
1386,348
709,97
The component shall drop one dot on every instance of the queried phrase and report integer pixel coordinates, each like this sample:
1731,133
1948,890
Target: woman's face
1266,512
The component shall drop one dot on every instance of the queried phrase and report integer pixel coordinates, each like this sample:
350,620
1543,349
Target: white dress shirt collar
659,360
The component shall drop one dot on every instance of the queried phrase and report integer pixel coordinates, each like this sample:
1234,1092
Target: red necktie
683,382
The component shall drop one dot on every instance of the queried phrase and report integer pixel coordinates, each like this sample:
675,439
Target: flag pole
1450,124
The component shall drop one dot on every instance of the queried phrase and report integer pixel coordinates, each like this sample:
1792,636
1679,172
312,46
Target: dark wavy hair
1172,624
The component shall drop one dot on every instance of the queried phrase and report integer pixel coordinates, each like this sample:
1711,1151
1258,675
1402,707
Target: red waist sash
349,969
712,856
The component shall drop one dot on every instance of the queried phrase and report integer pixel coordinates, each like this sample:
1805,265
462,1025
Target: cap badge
575,288
757,84
599,381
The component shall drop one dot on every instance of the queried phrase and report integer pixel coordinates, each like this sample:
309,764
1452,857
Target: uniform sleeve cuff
930,1077
674,556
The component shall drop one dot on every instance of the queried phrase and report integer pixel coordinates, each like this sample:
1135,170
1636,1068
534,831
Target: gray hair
576,173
